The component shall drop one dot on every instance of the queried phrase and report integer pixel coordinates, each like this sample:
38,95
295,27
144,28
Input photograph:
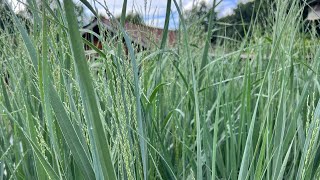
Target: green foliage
6,22
251,13
198,18
134,18
257,13
245,110
199,15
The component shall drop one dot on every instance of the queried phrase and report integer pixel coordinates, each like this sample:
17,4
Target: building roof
314,13
143,35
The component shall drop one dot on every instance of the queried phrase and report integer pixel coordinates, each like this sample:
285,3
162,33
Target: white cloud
226,8
190,4
226,12
17,5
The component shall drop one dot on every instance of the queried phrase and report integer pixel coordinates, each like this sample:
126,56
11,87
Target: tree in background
134,18
234,26
199,14
237,25
198,18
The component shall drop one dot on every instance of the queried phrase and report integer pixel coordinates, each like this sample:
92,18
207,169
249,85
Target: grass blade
103,165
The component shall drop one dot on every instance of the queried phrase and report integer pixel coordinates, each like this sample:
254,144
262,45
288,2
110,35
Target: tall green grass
188,112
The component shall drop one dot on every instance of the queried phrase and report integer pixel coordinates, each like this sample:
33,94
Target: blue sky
153,11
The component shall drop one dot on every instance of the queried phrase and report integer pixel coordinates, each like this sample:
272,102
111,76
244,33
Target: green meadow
240,109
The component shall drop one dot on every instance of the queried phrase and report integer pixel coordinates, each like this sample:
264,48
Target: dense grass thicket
188,112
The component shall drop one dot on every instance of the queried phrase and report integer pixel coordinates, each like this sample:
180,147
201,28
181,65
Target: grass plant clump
245,109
